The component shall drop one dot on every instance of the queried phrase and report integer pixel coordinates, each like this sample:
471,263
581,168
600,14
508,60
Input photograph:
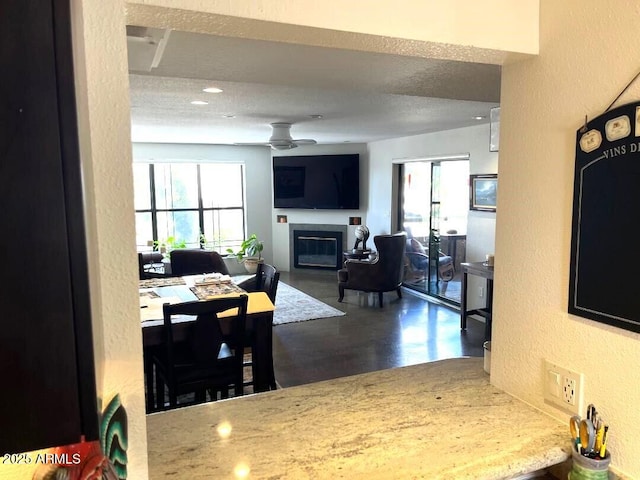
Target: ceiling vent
145,47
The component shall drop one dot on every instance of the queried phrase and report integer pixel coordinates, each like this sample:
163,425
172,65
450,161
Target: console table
484,271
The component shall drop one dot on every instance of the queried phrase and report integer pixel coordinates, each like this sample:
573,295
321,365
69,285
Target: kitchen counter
439,420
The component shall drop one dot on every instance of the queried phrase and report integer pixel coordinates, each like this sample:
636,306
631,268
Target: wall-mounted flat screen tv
317,181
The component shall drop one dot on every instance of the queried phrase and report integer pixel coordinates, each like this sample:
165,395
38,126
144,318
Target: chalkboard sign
606,213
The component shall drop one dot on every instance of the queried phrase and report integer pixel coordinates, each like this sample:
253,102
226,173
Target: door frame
396,179
397,205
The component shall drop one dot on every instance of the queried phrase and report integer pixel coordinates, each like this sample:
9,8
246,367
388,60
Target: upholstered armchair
418,257
150,265
382,274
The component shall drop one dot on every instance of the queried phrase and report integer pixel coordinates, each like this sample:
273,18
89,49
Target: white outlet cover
554,379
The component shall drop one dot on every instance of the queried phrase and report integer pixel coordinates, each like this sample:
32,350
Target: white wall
326,217
462,30
589,51
472,140
102,98
257,161
102,90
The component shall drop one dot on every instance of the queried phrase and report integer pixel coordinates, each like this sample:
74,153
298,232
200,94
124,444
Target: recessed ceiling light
479,117
315,116
228,116
199,102
212,90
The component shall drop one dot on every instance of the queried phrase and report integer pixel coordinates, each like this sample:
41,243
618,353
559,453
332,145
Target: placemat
162,282
204,292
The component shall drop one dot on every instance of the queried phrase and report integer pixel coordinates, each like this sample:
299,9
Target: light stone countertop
439,420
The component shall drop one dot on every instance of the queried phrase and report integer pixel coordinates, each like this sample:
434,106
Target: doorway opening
433,205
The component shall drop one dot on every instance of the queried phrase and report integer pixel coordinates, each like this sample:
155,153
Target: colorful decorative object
87,460
113,436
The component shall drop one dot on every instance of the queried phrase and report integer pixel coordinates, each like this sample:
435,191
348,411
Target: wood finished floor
405,331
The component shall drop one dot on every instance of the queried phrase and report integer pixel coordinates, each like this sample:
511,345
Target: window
183,201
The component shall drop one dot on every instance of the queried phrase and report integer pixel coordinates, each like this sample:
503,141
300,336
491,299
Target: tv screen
317,181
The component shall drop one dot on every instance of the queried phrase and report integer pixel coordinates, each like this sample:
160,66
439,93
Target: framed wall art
483,193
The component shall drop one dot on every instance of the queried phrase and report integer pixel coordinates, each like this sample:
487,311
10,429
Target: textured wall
457,30
103,112
589,51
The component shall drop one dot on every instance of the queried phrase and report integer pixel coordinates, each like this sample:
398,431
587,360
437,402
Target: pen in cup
603,448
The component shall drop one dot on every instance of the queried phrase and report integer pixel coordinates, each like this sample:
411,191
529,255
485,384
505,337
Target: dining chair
209,359
265,280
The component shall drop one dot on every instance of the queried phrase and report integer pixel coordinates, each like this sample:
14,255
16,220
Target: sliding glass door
433,206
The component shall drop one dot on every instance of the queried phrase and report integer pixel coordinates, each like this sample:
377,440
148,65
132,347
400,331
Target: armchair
195,261
382,274
150,265
418,257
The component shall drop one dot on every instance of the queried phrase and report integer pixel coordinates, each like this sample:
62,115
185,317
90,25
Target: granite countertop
439,420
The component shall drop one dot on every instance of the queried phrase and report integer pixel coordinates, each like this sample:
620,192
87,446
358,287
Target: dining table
154,293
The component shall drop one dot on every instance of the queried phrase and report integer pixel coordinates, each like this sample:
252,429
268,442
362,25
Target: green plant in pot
170,243
250,253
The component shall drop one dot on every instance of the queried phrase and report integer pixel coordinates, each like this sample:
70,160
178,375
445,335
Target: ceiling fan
281,138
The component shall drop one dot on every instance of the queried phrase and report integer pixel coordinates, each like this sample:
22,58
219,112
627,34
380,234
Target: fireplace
317,246
315,249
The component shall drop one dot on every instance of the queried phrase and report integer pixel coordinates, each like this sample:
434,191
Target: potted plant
165,246
250,253
202,240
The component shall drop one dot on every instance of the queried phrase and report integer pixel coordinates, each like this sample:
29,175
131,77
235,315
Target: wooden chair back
211,355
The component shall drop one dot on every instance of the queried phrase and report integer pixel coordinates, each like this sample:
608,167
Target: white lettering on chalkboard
615,151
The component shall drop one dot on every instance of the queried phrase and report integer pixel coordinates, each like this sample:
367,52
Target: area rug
292,305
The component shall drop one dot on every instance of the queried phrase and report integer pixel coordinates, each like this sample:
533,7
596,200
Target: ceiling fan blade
281,138
284,147
253,144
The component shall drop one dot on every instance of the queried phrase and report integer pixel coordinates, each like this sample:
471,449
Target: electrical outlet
563,387
569,390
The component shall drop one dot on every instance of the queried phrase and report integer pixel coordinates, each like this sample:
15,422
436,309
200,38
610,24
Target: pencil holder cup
585,468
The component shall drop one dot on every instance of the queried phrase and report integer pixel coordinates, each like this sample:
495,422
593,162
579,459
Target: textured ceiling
361,96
